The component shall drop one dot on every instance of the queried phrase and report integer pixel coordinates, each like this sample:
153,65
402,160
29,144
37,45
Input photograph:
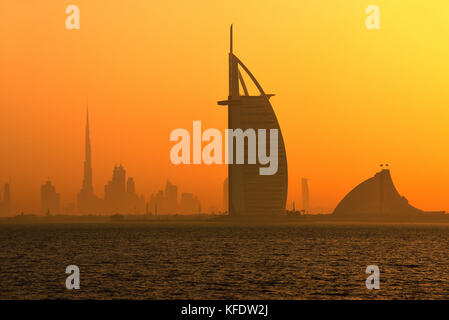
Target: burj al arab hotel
252,195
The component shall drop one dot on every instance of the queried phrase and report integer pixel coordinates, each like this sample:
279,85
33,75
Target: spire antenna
231,38
87,110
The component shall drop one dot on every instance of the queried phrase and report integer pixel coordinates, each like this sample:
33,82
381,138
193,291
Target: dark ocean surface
212,261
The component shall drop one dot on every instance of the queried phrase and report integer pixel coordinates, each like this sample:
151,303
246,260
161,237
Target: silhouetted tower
171,197
130,186
50,200
250,193
86,201
115,191
305,194
226,195
117,186
87,181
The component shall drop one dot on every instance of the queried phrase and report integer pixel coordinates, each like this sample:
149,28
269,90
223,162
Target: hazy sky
347,98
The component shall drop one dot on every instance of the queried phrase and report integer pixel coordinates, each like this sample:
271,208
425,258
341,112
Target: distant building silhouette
87,202
5,201
305,195
376,197
120,195
226,195
115,191
156,202
166,202
50,200
252,194
189,203
171,197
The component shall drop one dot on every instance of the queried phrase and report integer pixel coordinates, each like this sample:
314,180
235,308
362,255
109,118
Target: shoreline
220,220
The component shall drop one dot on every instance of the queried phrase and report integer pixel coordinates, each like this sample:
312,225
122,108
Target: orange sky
347,98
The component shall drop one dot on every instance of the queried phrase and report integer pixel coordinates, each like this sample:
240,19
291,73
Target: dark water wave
144,261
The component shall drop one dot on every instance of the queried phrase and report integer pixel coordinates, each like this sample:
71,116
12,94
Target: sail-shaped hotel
250,194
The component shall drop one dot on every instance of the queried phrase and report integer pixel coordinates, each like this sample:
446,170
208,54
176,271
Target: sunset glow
347,98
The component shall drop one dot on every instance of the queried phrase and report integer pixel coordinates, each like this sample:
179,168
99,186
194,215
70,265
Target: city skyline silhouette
334,99
224,159
119,197
246,193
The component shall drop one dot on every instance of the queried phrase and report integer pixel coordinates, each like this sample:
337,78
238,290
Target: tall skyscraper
87,201
135,203
305,194
226,195
171,197
114,191
50,199
252,194
130,186
120,195
87,180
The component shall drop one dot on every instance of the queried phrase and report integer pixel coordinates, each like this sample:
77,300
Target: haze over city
209,157
344,107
